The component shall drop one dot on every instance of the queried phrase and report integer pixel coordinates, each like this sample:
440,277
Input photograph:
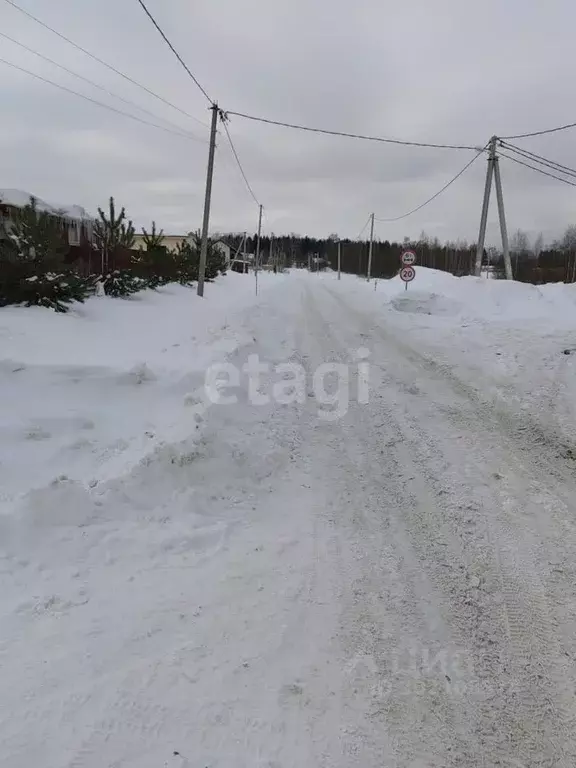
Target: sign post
407,272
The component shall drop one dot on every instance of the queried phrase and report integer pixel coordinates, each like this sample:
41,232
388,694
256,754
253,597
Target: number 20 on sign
407,272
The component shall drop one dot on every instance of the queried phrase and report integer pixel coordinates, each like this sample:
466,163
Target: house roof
17,198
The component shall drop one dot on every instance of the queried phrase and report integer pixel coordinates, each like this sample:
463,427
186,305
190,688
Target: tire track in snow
538,695
395,620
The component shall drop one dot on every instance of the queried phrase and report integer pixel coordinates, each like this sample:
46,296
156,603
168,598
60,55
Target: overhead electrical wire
174,51
540,133
538,170
359,235
104,63
91,82
351,135
233,148
539,159
444,188
182,134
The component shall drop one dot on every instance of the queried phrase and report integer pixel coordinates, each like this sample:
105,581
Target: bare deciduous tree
538,245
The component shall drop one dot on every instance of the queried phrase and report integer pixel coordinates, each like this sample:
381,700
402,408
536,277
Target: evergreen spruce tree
32,264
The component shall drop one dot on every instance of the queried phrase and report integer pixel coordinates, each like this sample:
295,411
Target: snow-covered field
260,585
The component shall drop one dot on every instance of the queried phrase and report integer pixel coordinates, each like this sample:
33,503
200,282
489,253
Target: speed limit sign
408,258
407,274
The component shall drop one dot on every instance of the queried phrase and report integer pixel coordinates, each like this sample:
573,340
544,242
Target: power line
350,135
174,51
90,82
105,64
533,157
359,235
101,104
444,188
541,133
224,120
538,170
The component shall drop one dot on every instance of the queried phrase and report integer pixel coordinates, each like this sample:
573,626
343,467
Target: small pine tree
52,290
121,283
156,265
112,232
127,237
153,240
32,265
215,259
187,263
37,236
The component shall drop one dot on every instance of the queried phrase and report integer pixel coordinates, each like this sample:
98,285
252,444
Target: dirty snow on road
309,574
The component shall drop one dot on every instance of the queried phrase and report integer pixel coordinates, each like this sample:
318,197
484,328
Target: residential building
74,220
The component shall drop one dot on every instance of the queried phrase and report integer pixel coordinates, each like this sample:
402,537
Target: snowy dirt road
395,588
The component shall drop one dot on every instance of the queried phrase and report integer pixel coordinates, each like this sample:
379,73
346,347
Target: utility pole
485,205
339,257
207,199
371,246
257,256
493,170
502,217
270,257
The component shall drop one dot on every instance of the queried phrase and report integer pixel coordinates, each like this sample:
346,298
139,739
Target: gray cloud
442,72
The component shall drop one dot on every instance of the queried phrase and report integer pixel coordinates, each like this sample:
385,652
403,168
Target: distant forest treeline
531,263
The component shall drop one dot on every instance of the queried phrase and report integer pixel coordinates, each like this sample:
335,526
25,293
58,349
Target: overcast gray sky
444,71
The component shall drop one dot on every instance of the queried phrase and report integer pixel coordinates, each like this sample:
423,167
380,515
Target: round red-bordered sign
408,258
407,274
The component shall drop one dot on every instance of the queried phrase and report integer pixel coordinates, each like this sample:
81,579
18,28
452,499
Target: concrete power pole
485,206
207,199
502,217
493,170
339,257
371,247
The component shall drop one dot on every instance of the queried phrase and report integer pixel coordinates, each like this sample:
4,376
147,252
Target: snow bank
90,393
475,298
506,340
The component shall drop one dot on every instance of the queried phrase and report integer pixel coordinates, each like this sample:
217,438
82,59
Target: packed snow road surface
342,578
